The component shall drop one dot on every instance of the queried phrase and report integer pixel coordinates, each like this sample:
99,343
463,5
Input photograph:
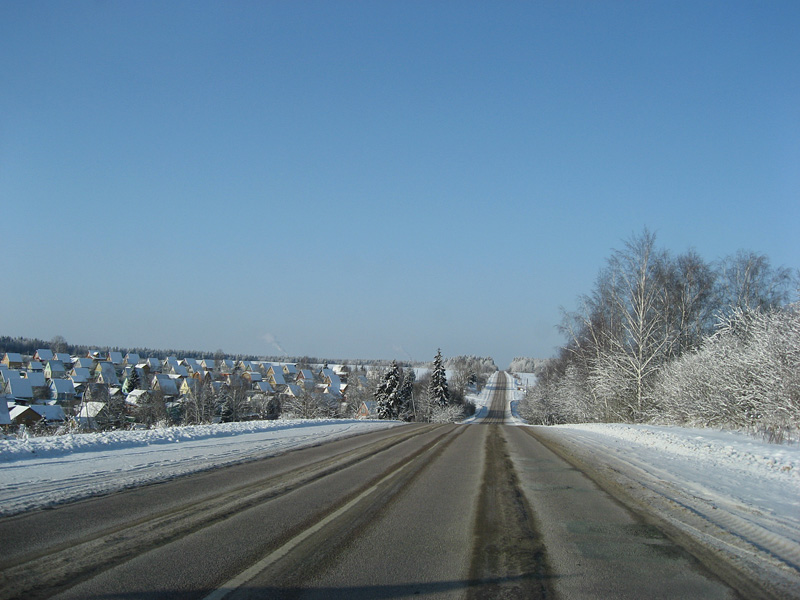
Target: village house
131,359
264,387
18,388
43,355
106,373
165,384
84,363
80,375
92,415
275,376
62,390
367,410
35,414
12,360
64,358
55,369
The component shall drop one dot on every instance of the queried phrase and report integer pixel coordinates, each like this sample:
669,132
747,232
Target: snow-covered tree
746,376
438,393
522,364
200,405
387,396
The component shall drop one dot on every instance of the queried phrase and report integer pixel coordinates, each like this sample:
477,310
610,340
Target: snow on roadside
732,493
481,401
43,471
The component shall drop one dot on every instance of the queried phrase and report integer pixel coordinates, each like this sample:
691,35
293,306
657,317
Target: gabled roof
265,387
180,371
36,378
56,366
17,410
50,412
80,375
5,418
62,386
13,357
294,390
63,357
193,364
115,358
45,354
330,377
91,409
35,365
17,387
166,384
136,396
107,373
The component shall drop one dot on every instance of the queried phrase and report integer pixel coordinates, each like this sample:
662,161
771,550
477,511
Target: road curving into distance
435,511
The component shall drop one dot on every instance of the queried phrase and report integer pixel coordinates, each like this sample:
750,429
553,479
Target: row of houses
51,386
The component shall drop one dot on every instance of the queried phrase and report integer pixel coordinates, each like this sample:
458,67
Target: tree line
28,346
398,394
678,339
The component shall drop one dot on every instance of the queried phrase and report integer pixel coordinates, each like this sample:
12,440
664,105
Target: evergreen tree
386,396
132,382
438,394
405,394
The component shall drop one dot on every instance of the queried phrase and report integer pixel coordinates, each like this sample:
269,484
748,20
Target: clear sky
377,179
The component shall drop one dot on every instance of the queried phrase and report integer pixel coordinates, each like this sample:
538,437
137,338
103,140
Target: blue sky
377,179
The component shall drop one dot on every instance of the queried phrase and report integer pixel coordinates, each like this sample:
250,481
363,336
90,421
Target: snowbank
44,471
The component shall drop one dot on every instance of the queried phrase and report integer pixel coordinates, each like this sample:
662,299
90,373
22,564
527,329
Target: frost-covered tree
233,400
747,280
521,364
387,398
438,393
745,376
151,410
200,405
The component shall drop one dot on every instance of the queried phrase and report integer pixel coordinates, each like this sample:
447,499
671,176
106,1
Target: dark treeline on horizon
29,346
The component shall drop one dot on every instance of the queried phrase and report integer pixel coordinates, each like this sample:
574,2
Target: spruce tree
386,396
132,383
405,394
438,394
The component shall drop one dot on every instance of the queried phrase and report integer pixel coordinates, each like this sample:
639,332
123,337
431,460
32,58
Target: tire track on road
78,558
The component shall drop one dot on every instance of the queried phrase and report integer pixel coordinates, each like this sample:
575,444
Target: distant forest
29,346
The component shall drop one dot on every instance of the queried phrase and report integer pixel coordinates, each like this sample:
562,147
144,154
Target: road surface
435,511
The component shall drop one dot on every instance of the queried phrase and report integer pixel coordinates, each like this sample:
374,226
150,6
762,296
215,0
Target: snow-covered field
43,471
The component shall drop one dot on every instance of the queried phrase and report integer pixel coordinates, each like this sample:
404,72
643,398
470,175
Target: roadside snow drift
44,471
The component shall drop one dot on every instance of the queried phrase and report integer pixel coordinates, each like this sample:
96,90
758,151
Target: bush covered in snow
746,376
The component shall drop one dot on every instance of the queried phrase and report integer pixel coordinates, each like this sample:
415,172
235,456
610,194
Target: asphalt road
435,511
